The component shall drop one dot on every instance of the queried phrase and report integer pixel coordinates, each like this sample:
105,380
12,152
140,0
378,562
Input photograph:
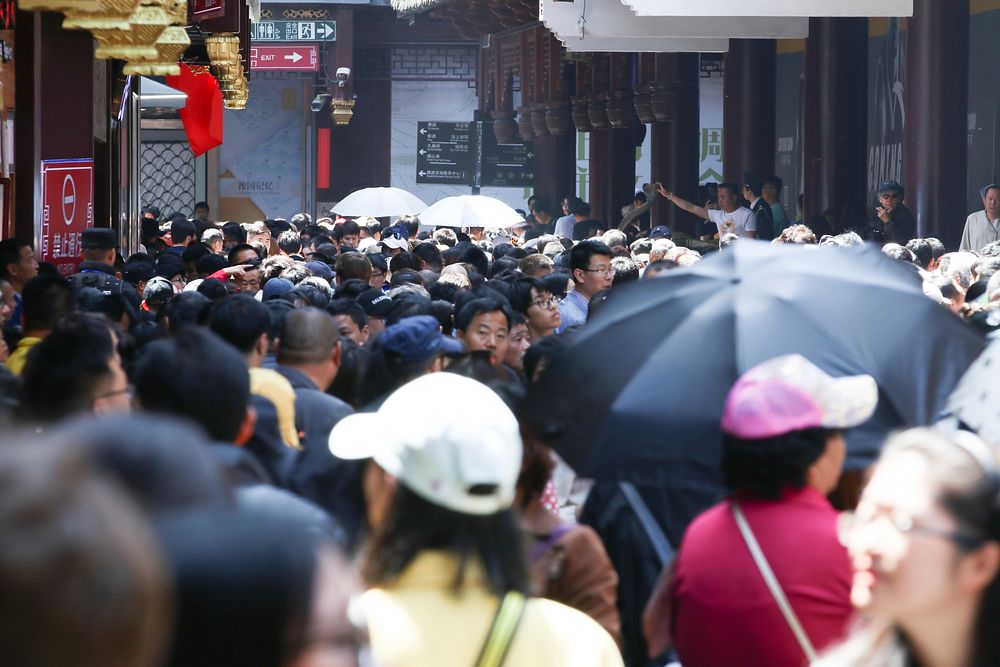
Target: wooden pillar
555,157
600,136
621,190
612,151
600,170
555,168
675,150
360,152
54,99
337,145
836,114
937,83
749,109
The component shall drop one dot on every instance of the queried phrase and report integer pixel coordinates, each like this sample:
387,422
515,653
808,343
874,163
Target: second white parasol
471,211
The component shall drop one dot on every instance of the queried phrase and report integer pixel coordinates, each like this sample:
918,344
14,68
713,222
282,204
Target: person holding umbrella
761,579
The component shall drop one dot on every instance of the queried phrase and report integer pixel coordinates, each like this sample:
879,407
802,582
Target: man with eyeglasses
590,264
894,223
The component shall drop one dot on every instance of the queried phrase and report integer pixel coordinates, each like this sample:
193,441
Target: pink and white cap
790,393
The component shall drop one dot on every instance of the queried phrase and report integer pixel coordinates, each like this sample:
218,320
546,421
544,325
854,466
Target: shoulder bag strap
505,623
772,583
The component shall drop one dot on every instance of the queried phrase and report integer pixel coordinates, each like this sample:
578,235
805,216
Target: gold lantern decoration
341,111
227,66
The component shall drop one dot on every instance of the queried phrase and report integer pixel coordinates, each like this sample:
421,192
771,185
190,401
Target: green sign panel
294,31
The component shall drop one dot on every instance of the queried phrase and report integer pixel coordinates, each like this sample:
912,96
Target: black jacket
764,217
333,484
101,277
902,227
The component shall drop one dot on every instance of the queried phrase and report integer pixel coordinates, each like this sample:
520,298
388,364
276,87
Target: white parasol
379,203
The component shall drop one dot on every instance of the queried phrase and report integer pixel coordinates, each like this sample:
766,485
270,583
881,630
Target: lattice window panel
435,64
267,14
167,176
299,14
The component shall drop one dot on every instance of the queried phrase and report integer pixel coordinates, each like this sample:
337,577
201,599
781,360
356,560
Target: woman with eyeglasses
924,548
541,310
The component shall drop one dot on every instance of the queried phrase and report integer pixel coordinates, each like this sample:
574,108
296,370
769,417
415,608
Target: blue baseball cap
320,269
276,287
418,338
659,232
890,186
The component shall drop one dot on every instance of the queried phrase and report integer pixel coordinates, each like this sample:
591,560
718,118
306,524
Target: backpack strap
505,624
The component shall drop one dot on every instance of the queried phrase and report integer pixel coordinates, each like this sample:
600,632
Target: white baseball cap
790,393
447,438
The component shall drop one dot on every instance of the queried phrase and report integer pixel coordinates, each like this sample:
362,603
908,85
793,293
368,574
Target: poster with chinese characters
67,210
262,173
710,143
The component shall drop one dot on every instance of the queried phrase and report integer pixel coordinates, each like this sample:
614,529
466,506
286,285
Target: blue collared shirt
573,310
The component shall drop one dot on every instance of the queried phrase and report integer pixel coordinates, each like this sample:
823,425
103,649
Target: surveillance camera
319,102
343,74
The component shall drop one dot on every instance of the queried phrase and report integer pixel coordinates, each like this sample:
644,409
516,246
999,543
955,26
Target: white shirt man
730,217
983,227
741,222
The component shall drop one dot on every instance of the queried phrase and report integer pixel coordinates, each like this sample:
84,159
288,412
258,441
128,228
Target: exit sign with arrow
297,58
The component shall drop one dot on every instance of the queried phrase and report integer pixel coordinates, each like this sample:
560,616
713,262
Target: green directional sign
294,31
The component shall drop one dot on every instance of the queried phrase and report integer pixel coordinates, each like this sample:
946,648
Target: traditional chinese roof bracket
149,34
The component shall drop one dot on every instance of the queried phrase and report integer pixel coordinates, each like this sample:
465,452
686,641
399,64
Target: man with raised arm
730,217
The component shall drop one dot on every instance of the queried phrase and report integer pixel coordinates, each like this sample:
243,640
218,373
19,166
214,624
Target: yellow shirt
15,362
273,386
418,621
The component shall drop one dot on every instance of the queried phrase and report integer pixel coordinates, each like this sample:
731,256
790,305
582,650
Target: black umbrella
639,394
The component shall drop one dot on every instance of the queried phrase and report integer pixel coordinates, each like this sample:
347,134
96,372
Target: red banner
67,210
202,115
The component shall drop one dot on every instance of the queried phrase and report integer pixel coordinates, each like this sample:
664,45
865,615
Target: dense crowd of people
292,443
